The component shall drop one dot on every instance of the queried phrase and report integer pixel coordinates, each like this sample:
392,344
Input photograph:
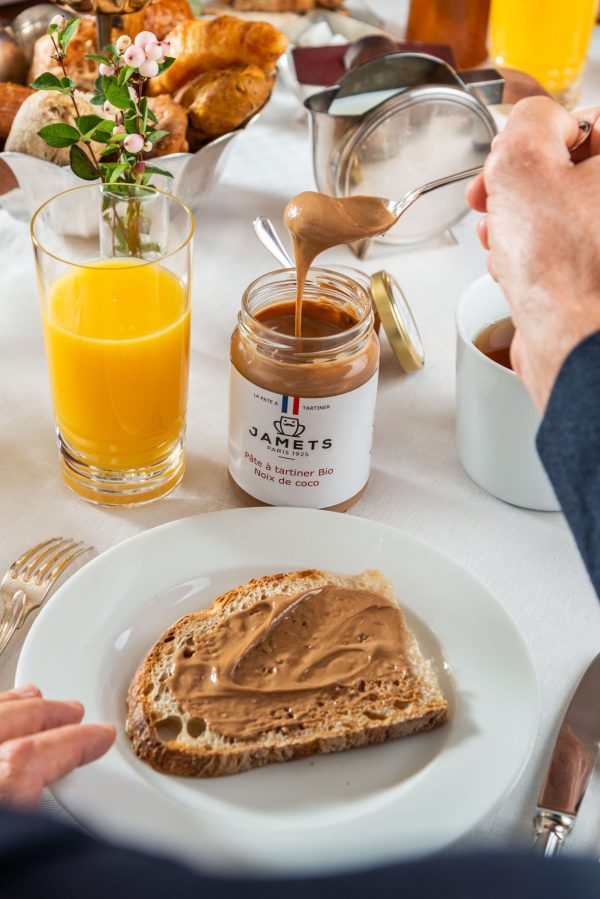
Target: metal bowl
194,174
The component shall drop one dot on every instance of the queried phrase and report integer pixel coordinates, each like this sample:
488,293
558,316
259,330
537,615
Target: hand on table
541,228
41,740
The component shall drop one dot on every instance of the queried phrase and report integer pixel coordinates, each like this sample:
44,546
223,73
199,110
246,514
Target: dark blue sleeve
45,859
568,442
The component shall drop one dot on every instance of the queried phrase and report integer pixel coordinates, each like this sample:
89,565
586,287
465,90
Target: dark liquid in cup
495,340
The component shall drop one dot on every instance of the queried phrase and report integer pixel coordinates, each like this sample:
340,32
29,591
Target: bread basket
193,173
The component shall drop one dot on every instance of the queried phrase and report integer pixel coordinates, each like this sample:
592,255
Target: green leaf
124,74
82,164
97,100
144,112
98,58
46,82
118,96
103,133
67,33
118,171
107,151
59,135
116,138
52,29
88,123
100,137
106,125
153,136
166,64
154,170
152,117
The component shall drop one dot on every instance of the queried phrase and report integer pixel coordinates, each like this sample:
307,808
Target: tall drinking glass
113,264
548,40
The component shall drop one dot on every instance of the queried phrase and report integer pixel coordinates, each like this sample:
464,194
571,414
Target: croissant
158,16
201,45
297,6
220,101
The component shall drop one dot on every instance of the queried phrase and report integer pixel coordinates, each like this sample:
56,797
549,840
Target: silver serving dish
193,173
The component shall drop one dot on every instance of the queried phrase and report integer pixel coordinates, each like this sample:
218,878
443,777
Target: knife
573,761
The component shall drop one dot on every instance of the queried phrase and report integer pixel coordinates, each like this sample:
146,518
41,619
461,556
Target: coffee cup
496,421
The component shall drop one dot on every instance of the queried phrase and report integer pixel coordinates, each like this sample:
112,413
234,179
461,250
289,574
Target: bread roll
201,45
159,16
172,118
282,5
12,96
221,101
83,71
45,108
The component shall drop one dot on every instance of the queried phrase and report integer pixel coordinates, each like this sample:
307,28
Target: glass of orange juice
548,40
114,273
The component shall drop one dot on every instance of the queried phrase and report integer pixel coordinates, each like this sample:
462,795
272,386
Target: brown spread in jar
276,423
317,222
272,666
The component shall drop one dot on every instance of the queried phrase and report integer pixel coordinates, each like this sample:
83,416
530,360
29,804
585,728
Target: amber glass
460,23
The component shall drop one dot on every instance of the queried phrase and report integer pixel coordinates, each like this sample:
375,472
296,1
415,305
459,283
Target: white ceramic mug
496,421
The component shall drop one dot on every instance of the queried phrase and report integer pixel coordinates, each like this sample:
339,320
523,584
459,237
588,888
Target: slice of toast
177,740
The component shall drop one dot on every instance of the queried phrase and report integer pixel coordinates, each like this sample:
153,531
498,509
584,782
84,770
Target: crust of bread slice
197,752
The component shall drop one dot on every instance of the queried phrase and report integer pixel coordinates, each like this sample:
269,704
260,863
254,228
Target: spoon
398,207
269,238
266,233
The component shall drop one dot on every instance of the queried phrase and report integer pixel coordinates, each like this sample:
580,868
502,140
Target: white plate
357,808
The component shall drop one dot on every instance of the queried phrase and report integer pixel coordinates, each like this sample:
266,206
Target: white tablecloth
527,559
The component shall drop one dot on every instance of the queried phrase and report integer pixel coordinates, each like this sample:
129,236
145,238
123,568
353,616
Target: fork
29,579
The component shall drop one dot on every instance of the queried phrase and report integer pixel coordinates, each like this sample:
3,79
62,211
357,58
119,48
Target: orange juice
548,39
117,336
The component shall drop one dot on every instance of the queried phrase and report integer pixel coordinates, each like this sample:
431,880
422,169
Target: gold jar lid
398,321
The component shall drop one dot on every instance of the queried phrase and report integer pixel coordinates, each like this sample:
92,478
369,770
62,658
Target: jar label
296,451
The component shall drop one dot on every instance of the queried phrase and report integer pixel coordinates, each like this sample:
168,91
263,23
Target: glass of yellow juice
114,274
548,40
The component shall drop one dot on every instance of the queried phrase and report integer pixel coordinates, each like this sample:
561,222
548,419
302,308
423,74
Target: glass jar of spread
301,407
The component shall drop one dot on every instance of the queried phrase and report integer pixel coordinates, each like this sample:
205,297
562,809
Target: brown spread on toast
275,664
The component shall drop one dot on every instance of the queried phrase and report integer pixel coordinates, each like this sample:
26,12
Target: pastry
83,71
202,45
45,108
158,16
297,6
221,100
172,118
11,98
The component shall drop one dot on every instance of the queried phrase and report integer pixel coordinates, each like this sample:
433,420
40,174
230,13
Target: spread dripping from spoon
317,222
